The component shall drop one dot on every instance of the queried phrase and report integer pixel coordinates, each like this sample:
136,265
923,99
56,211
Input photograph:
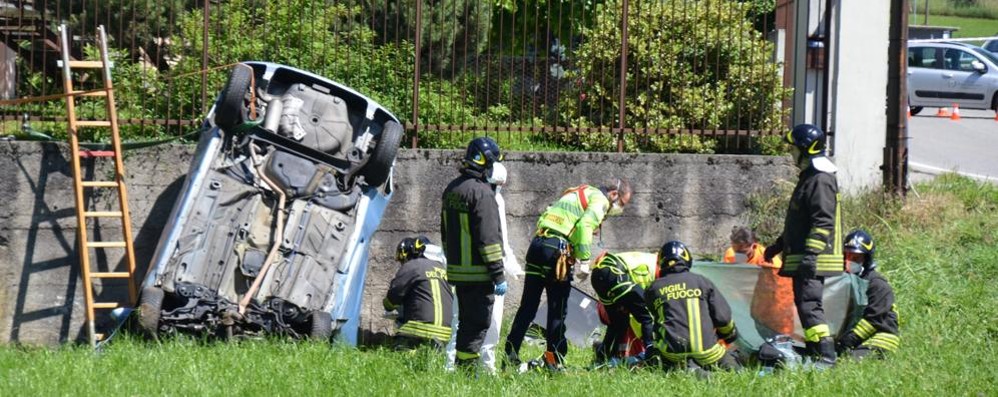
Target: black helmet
808,138
860,242
482,153
673,255
411,248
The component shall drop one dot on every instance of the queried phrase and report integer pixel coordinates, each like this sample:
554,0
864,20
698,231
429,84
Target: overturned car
271,230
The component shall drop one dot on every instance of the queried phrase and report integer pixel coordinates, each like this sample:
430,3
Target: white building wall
859,89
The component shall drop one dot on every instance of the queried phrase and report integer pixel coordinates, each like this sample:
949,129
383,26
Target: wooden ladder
82,215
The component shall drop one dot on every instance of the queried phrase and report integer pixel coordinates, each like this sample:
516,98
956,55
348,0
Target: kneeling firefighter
877,330
421,294
620,281
690,314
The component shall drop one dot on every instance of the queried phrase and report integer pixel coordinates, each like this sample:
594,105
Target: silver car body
941,74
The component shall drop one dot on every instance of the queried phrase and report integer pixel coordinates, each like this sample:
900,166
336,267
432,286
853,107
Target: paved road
968,146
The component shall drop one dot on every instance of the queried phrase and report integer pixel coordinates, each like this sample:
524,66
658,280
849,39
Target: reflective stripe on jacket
568,217
470,231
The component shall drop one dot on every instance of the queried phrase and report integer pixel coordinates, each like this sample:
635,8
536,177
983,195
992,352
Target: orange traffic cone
942,113
909,112
996,115
956,112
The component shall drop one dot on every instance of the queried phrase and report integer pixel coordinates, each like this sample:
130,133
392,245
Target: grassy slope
969,27
939,250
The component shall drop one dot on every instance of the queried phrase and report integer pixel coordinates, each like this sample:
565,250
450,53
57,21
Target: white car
271,232
941,74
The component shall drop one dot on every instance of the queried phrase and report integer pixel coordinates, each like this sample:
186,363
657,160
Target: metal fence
670,75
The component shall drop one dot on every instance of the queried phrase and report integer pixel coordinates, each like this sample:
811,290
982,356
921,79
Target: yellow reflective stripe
837,248
864,329
696,328
492,253
884,340
706,357
465,240
817,245
816,332
823,232
466,356
423,330
437,303
726,330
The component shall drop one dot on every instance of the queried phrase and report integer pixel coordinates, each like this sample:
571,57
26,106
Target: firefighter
691,315
877,331
421,293
772,300
470,228
563,239
811,242
620,281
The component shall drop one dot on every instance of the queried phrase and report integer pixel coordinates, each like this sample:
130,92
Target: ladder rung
100,184
110,275
96,153
93,123
102,214
106,244
90,93
85,64
106,305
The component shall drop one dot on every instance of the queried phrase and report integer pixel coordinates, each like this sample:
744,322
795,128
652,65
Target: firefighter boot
826,347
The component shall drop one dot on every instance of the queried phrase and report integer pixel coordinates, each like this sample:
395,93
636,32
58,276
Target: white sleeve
509,261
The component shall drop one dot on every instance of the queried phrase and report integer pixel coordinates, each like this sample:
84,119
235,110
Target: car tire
231,109
150,308
380,165
322,326
915,110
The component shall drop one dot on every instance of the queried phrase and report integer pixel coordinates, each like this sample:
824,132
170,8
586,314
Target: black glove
848,341
773,250
808,266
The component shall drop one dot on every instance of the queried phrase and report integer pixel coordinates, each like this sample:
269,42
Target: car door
960,82
925,76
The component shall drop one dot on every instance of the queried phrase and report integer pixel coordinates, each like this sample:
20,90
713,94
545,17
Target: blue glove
501,288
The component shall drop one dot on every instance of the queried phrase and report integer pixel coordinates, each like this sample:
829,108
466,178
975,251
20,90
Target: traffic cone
942,113
996,115
956,112
909,112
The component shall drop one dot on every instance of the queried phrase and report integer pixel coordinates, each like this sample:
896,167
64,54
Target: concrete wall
695,198
859,91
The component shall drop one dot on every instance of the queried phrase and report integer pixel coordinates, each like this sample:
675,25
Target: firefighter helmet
860,242
411,248
481,154
808,138
672,254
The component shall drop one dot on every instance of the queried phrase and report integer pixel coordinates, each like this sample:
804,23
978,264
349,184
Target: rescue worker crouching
691,316
422,296
877,331
772,305
563,239
811,242
620,281
470,227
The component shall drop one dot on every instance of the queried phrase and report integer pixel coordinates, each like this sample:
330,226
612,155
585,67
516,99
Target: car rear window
923,57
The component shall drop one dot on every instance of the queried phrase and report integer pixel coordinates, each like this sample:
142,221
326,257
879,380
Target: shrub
669,83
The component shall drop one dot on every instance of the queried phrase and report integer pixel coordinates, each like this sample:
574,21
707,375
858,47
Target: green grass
979,8
939,249
969,27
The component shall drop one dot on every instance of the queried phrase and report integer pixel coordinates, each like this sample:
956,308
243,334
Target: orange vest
773,300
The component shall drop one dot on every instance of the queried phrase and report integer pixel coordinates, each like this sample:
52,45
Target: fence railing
670,75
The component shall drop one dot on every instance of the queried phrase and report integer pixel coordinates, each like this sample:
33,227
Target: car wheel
150,307
915,110
322,326
377,168
231,108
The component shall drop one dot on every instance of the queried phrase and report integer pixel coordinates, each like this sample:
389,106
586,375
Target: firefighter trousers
543,253
629,304
474,316
807,297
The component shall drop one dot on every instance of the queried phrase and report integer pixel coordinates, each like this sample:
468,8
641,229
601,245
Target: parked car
271,230
991,45
941,74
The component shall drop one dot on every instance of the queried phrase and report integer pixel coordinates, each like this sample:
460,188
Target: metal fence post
415,78
204,57
623,79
